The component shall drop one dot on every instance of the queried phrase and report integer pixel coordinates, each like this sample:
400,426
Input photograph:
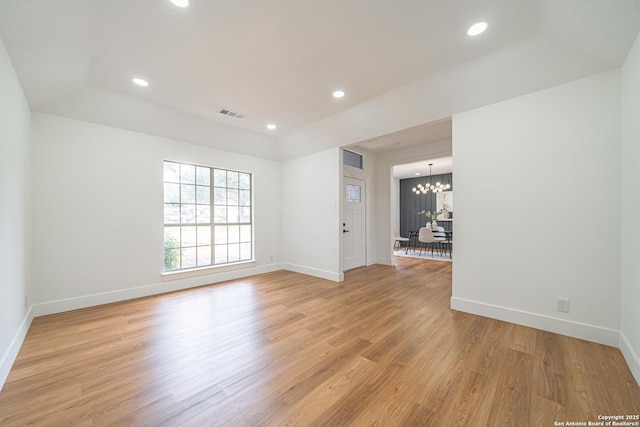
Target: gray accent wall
412,203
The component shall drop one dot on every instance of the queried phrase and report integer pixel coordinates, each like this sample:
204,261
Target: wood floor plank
382,348
512,397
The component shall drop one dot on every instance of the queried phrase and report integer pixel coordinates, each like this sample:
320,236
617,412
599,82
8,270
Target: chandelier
436,188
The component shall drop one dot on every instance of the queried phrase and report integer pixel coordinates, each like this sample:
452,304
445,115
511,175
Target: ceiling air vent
231,113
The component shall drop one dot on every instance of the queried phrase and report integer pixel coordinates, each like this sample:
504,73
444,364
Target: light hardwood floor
382,348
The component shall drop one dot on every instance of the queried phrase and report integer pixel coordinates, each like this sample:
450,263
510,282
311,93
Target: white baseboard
632,358
10,355
384,261
58,306
315,272
84,301
546,323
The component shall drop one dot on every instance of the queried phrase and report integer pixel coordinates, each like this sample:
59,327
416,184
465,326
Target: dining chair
399,239
425,237
440,237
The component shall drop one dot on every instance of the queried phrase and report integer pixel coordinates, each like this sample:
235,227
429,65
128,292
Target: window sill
202,271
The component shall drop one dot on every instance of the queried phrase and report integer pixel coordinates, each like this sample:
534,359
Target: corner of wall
630,209
315,272
9,356
633,359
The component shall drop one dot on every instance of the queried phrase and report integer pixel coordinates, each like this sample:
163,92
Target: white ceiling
418,135
440,165
279,61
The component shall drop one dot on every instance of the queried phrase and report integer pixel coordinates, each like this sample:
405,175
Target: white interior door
353,226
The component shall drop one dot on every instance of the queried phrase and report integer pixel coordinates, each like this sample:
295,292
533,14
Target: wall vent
231,113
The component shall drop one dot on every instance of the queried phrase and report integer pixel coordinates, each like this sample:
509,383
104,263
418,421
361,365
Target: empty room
200,213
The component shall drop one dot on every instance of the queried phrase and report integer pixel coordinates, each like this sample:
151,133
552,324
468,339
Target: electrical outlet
562,304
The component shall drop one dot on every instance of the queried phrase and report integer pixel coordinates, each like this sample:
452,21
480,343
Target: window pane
220,214
245,198
232,179
232,214
172,213
232,197
189,257
353,193
203,195
189,236
171,193
233,252
171,259
188,193
188,214
245,251
221,234
202,176
187,174
219,178
204,235
245,233
221,254
245,215
204,255
172,237
220,196
245,181
350,158
171,172
234,233
203,214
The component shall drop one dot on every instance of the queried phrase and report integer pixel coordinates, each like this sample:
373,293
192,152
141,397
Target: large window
207,216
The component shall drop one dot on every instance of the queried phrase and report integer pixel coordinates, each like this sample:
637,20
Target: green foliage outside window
171,254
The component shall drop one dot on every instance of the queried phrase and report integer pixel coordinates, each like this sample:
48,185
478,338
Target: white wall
97,212
537,182
387,203
15,199
311,214
630,316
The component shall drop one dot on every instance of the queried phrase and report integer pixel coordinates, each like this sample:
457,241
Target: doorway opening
424,201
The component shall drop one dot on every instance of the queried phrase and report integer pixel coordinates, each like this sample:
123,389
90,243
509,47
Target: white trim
58,306
372,261
10,355
310,271
579,330
633,360
210,269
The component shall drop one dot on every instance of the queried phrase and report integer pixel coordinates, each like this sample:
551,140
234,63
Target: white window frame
232,200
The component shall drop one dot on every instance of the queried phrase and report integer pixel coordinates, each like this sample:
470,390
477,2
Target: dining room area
425,228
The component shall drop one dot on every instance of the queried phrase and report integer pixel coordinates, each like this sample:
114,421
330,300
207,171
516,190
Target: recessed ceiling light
271,126
140,82
338,94
417,174
476,29
180,3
